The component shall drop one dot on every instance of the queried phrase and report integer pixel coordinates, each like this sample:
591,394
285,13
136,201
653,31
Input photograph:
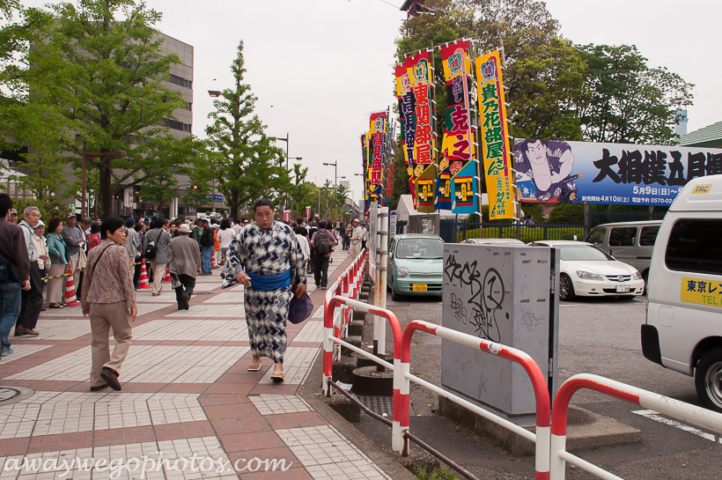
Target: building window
176,125
176,80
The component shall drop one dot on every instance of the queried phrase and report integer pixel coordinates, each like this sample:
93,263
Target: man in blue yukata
266,258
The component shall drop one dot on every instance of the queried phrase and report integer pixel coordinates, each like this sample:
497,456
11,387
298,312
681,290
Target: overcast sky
320,67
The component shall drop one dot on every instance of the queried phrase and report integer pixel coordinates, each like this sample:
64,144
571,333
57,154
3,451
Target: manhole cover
381,404
10,395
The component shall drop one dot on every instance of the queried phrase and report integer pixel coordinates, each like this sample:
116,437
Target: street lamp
335,171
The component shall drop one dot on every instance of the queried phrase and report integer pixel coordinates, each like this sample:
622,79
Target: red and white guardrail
697,416
403,378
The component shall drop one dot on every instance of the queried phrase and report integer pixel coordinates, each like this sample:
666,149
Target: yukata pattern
266,252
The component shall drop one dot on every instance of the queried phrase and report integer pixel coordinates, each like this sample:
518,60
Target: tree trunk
105,192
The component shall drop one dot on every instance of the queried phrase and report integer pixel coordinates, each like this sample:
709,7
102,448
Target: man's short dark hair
95,228
110,225
204,221
6,203
322,224
264,202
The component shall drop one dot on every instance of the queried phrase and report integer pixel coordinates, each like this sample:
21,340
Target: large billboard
552,171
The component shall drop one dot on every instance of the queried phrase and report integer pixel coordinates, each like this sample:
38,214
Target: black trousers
136,273
185,291
32,300
320,271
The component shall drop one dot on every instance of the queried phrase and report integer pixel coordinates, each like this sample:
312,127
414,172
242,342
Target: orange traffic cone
167,276
70,300
143,281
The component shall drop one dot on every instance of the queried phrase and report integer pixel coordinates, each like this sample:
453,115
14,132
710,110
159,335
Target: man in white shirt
32,300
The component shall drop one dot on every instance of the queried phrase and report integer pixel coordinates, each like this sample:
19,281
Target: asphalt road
599,336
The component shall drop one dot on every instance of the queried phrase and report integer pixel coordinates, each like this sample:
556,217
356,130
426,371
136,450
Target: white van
628,242
683,331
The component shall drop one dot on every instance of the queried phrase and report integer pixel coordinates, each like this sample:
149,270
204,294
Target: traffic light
194,187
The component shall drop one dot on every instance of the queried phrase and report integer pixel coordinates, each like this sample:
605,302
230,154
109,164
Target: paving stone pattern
186,394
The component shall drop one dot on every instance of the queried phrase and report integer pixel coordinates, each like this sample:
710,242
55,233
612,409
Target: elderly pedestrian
41,245
323,242
184,262
13,216
356,237
109,299
267,260
132,245
158,237
32,301
14,272
58,253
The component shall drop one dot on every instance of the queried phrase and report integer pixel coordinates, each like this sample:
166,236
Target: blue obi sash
266,283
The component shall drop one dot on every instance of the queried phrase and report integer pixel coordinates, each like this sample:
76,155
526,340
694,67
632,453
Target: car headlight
403,272
636,276
589,275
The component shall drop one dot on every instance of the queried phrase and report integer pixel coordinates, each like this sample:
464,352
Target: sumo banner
553,171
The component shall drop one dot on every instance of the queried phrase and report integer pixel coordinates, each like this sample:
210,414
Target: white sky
320,67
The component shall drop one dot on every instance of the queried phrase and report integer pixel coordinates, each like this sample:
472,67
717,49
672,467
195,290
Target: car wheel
395,296
708,379
566,288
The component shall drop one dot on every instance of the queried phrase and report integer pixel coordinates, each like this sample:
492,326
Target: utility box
505,294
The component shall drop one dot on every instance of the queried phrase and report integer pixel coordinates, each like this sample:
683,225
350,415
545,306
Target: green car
416,264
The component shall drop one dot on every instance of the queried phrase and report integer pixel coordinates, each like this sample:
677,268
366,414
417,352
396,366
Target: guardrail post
345,310
402,399
327,347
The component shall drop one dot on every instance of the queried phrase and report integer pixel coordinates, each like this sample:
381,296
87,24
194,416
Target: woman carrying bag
58,263
109,299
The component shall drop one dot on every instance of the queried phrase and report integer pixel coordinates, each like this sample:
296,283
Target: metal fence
455,231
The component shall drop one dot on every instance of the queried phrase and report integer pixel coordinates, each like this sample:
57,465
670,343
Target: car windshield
420,248
583,253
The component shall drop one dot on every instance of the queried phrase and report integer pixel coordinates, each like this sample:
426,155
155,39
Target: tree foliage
248,166
626,101
98,72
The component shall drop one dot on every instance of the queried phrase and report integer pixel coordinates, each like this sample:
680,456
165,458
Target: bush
567,213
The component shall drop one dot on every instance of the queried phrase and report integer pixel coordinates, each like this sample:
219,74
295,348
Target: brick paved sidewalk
186,392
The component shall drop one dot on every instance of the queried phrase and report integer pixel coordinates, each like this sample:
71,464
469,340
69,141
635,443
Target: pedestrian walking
312,228
158,239
14,272
303,243
356,238
207,242
131,245
323,242
58,253
109,299
225,235
184,262
268,261
73,237
32,299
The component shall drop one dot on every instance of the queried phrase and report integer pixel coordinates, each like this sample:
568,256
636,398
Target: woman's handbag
82,260
301,308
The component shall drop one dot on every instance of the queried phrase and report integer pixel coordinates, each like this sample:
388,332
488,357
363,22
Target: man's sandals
254,367
277,377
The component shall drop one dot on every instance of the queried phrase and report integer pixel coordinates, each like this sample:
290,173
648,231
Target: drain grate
10,395
381,404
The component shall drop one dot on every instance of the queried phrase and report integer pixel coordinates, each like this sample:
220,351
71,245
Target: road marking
652,415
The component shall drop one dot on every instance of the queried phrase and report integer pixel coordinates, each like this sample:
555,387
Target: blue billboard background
551,171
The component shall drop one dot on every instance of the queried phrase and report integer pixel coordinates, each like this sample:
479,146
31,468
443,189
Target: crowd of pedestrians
270,258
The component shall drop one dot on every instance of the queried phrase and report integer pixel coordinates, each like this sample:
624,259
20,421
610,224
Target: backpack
151,250
322,242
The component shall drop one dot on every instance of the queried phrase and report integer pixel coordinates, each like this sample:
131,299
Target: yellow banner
702,292
494,136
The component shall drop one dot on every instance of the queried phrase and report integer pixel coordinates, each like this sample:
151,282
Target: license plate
622,288
417,287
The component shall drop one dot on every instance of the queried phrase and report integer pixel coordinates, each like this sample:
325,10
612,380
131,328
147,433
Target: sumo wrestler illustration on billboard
543,171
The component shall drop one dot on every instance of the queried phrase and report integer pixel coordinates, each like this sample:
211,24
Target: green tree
98,72
626,101
249,166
